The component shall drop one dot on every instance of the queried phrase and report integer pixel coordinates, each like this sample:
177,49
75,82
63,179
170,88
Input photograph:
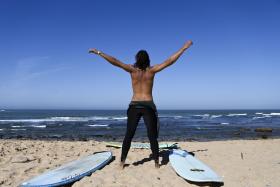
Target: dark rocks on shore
264,136
84,139
243,129
263,129
55,135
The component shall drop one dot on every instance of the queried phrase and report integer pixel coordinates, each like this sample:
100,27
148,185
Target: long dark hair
142,60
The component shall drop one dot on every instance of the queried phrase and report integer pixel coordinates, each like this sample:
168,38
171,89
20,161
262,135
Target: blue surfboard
143,145
192,169
71,171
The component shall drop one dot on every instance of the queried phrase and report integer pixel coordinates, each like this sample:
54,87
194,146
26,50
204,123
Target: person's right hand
188,44
95,51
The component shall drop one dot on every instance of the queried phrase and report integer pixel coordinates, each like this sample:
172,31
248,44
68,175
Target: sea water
175,125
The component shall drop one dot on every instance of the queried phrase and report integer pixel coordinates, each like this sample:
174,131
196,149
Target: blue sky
233,64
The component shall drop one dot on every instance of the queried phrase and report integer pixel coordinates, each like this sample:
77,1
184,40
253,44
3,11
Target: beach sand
241,163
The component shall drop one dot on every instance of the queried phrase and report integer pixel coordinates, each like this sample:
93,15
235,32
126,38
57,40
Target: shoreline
262,134
238,162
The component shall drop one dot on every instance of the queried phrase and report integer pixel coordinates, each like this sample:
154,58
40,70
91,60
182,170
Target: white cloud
35,67
28,69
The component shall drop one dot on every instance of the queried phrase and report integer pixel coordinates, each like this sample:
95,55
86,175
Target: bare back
142,84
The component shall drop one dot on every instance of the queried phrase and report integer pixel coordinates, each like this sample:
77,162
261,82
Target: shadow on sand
209,184
163,153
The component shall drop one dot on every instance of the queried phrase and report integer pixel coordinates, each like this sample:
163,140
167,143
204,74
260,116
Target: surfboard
143,145
71,171
190,168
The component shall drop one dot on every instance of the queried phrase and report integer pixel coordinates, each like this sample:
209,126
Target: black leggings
134,113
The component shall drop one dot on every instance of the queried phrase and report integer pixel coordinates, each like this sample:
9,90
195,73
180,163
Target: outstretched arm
113,60
158,67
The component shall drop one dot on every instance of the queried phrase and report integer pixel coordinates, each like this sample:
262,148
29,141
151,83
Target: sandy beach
242,163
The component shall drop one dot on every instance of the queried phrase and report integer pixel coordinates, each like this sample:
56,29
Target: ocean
110,125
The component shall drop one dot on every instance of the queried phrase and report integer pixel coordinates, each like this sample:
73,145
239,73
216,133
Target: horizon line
5,109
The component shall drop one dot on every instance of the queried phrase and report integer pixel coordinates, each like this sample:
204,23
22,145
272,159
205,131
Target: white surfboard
71,171
190,168
142,145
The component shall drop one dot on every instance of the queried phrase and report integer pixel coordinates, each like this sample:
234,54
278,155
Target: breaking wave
242,114
69,119
98,125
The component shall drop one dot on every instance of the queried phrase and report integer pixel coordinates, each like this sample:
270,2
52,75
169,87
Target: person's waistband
143,103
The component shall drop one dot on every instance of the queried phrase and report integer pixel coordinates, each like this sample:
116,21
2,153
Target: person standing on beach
142,104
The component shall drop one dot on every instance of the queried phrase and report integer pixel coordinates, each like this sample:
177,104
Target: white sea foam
224,123
120,118
216,116
98,125
67,119
39,126
18,129
259,113
1,129
2,110
22,120
202,115
275,114
55,119
61,118
36,126
267,115
98,118
16,126
78,118
272,114
231,115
